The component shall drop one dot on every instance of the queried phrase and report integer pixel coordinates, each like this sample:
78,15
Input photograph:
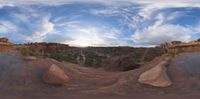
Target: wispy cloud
7,27
30,25
93,36
161,34
43,28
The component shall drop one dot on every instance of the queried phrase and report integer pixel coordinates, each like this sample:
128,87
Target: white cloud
21,17
87,36
112,33
110,11
7,27
152,6
176,14
155,3
145,34
146,9
43,28
29,24
162,33
98,36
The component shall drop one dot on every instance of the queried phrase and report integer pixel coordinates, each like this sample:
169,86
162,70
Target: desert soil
22,79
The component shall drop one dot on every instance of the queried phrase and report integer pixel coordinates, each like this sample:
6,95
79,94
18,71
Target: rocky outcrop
55,75
4,42
157,76
3,39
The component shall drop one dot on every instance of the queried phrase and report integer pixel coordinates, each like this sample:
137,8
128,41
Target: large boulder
156,76
55,75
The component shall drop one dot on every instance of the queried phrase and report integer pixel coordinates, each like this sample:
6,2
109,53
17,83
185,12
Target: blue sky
99,22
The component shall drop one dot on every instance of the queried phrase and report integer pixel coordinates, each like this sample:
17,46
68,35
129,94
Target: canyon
35,70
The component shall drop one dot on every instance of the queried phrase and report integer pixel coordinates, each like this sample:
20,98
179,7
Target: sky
137,23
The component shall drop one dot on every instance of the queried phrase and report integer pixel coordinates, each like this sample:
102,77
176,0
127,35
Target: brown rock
55,75
156,76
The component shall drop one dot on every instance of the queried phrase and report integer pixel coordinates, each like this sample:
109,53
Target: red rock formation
55,75
156,76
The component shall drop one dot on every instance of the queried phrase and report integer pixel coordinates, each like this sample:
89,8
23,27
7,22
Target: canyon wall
175,49
110,58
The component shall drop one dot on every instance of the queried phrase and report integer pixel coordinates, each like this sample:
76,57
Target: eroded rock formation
157,76
55,75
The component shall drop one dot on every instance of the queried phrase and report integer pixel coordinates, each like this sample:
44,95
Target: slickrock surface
157,76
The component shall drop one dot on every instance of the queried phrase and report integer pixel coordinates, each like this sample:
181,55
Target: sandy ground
20,79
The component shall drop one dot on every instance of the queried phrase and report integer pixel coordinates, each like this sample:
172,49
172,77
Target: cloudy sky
100,22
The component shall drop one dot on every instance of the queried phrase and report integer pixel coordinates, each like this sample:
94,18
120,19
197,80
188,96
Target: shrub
26,52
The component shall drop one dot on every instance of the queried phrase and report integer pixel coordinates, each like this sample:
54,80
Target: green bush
26,52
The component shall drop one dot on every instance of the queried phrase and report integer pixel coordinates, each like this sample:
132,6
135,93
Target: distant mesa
4,39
